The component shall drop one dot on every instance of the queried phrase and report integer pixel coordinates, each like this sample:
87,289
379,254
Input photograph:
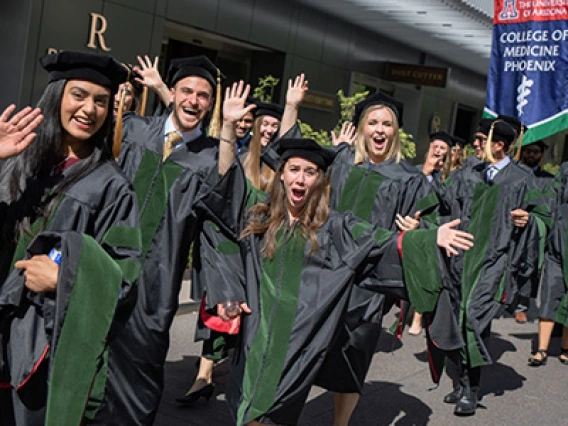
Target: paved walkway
398,390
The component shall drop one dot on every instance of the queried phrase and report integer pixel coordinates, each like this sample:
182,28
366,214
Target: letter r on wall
98,32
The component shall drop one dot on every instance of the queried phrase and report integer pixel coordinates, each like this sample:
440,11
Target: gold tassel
519,145
142,111
215,125
488,156
117,143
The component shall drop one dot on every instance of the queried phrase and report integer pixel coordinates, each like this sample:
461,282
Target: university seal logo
509,11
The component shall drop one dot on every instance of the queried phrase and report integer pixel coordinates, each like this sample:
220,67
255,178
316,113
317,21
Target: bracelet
226,140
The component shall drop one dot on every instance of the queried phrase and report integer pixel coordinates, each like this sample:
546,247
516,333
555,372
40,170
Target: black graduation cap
99,69
514,122
538,143
459,141
502,131
199,66
307,149
443,136
378,98
131,78
484,125
264,108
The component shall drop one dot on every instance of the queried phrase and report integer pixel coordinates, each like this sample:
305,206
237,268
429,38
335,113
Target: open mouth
379,142
297,194
189,113
83,123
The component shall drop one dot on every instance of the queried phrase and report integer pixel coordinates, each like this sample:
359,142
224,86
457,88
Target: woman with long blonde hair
371,179
267,118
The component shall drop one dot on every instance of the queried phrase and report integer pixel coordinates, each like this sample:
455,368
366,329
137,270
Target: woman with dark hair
70,248
301,260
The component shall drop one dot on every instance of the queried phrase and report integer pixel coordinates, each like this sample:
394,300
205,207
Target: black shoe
205,392
454,396
537,362
467,404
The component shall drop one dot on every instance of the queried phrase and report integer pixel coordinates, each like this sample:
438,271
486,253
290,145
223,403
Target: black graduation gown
54,346
554,301
471,161
376,194
298,301
219,259
481,281
554,291
166,193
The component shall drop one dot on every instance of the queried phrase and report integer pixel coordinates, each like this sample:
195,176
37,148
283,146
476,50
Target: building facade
247,39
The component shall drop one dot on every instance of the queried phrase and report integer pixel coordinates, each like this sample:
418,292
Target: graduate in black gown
479,141
500,203
301,261
370,178
553,295
70,249
165,157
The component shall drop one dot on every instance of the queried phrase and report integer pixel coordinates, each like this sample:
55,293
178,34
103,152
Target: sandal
537,362
563,357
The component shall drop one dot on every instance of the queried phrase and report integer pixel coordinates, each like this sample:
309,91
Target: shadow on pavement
382,403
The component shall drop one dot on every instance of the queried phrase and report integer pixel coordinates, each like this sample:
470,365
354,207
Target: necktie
491,172
171,140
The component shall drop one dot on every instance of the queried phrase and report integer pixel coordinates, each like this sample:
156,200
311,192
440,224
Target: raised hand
296,91
17,133
348,133
148,71
234,104
151,78
452,239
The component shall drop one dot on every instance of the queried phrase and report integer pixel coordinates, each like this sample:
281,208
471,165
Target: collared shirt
186,136
500,165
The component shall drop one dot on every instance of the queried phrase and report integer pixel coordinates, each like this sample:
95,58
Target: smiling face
268,128
244,125
192,98
299,177
479,144
84,109
378,131
128,98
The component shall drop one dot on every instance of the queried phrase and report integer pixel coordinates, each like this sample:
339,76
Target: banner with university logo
528,75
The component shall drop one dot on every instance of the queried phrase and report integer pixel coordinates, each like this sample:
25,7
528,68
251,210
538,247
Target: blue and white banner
528,75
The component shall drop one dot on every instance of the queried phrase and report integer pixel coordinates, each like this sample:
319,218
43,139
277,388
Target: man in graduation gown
165,157
500,203
479,141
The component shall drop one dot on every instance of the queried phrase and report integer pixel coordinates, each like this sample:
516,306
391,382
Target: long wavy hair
361,153
32,169
260,177
458,162
268,218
